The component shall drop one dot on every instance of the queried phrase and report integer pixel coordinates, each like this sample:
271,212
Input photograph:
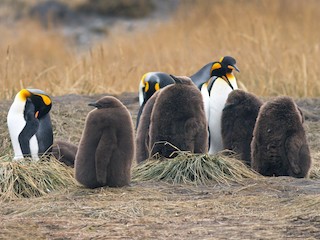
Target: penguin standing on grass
153,81
107,148
237,122
218,87
29,124
279,146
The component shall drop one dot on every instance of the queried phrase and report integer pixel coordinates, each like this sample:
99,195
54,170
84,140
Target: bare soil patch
265,208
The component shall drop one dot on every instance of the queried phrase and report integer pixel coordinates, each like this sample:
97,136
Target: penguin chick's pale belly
218,97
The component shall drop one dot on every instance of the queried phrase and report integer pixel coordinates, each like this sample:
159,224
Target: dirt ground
264,208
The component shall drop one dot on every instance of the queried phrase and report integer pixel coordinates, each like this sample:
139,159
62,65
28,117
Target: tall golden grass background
275,42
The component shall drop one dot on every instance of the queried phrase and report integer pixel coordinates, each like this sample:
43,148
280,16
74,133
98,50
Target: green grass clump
197,169
26,178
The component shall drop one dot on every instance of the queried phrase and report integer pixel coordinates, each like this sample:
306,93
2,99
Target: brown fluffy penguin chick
142,138
64,152
106,148
237,122
178,120
279,146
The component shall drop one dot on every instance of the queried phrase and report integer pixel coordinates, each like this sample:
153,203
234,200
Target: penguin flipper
296,151
139,114
29,130
103,155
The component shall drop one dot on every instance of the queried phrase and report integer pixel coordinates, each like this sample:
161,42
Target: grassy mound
197,169
26,178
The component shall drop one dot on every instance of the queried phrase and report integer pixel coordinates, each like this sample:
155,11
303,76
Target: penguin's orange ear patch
157,86
215,66
146,88
45,99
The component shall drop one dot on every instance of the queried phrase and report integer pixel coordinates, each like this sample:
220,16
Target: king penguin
178,118
153,81
237,122
29,124
218,88
106,149
279,146
149,84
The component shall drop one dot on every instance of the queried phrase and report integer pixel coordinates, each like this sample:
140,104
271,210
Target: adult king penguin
153,81
29,124
218,89
149,84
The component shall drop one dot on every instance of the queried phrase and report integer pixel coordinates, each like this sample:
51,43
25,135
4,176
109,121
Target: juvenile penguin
106,148
142,136
219,87
237,122
64,152
279,146
178,120
29,124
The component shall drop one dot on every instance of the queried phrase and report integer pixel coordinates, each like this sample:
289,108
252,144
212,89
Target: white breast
16,123
218,96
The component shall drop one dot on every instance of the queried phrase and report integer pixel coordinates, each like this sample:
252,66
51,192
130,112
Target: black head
154,82
224,66
41,101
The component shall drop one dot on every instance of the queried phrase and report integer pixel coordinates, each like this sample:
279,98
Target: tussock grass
27,178
197,169
276,50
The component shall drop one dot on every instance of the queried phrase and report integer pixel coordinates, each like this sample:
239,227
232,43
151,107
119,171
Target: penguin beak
227,80
235,67
36,115
93,104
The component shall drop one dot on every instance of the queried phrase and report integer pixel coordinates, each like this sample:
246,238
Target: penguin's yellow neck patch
230,76
24,94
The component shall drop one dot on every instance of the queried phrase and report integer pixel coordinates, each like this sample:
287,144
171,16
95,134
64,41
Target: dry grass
262,208
27,178
197,169
275,43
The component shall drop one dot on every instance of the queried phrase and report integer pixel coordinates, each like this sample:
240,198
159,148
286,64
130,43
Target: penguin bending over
220,85
178,120
29,124
106,148
237,122
64,152
279,146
